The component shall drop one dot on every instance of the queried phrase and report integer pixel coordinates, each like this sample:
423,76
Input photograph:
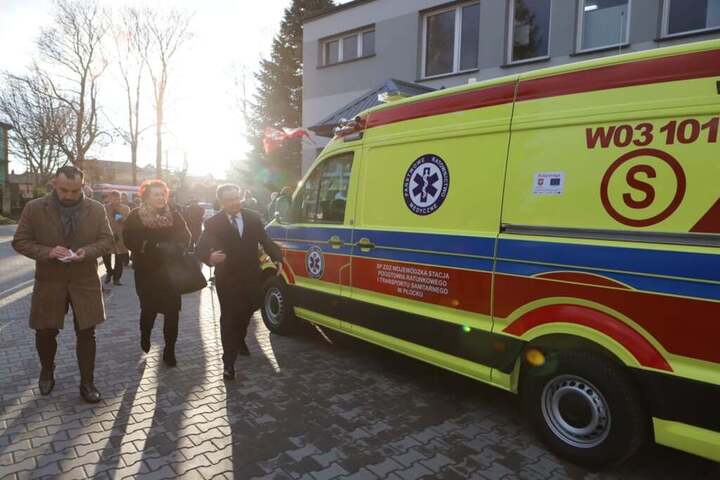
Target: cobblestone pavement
301,408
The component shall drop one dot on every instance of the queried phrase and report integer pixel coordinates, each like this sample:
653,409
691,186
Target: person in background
250,202
152,231
230,244
282,202
65,232
270,213
125,200
132,204
194,217
117,213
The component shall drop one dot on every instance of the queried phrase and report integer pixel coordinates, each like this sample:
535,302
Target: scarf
152,218
69,215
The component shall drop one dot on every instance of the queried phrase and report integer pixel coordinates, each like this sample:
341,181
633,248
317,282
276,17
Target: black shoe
145,341
243,349
46,382
89,393
169,357
108,277
229,373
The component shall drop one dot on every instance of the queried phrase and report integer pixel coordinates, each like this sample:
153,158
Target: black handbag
184,272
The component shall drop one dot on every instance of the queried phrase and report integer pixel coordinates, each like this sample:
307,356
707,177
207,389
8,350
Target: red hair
153,183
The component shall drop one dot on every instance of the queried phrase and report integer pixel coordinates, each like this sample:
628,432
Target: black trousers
46,344
120,261
170,325
235,314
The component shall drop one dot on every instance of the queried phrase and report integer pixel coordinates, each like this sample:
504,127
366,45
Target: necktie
233,220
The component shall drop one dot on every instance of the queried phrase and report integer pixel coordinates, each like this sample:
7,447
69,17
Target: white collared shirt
238,222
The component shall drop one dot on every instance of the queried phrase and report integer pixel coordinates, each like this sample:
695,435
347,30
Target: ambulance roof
550,71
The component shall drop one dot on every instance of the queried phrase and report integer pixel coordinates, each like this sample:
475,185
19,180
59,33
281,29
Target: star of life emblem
314,262
426,184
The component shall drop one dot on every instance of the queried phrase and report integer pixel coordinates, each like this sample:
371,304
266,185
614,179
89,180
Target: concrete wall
398,37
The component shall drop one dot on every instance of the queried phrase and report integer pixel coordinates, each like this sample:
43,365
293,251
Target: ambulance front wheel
277,312
585,407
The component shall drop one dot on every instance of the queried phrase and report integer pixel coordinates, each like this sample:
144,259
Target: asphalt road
16,271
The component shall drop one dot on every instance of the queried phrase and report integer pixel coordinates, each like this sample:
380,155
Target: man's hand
279,268
59,252
79,255
217,257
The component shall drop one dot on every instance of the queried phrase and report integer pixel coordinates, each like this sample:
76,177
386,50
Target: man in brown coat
65,233
117,213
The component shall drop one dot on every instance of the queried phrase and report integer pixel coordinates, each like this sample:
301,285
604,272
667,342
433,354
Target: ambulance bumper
685,412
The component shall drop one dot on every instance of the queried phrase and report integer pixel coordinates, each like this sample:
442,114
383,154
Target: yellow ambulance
554,233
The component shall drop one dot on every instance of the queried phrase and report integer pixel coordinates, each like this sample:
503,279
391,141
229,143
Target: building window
603,23
368,42
349,46
451,39
332,52
529,29
690,16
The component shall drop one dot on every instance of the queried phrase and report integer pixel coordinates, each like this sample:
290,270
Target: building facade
350,50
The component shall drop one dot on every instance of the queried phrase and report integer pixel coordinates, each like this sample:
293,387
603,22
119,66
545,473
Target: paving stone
362,474
409,457
385,467
333,471
437,463
414,472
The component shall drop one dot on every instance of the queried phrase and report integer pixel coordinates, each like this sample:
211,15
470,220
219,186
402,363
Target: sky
204,123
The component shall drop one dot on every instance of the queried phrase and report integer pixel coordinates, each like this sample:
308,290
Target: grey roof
325,126
333,10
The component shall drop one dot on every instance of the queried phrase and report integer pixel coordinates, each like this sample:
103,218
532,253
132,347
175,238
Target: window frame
511,37
665,24
579,30
296,208
340,38
456,45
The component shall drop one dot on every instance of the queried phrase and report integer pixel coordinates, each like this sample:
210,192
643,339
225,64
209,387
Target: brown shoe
89,393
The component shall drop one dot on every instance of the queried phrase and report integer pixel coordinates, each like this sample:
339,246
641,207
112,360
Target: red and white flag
274,138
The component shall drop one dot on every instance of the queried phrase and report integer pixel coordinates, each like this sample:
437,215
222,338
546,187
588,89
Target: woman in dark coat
153,231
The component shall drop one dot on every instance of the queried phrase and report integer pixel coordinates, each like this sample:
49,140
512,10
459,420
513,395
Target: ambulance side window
324,196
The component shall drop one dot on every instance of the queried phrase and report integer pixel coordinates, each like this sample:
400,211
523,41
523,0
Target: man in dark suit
230,244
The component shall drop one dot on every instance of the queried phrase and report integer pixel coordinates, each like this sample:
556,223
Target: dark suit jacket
239,275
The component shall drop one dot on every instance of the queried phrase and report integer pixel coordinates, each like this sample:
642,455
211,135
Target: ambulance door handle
335,242
365,244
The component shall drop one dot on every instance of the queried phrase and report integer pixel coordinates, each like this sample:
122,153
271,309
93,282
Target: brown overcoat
38,232
117,225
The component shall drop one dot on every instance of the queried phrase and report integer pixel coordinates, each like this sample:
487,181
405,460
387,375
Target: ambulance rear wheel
585,407
277,312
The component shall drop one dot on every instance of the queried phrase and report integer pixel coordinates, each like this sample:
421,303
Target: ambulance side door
319,240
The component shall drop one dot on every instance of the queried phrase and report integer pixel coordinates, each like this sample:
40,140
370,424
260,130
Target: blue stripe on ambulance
459,251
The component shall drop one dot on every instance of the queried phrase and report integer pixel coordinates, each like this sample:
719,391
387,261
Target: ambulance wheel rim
575,411
274,305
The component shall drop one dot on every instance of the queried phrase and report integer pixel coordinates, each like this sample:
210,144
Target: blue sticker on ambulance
426,184
314,262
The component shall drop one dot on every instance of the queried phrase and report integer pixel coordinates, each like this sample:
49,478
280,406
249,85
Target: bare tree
239,92
168,32
72,51
132,41
37,119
